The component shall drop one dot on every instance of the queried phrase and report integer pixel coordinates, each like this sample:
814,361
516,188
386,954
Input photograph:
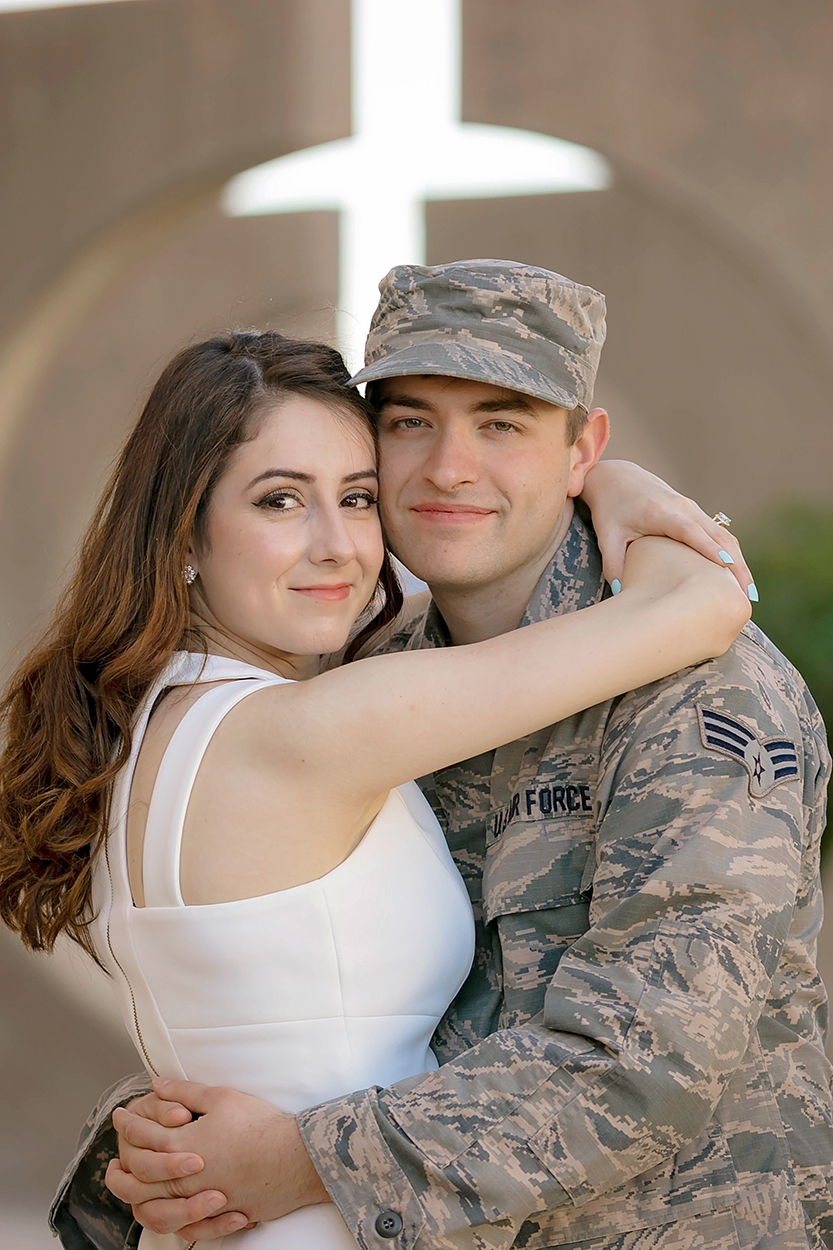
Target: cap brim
473,362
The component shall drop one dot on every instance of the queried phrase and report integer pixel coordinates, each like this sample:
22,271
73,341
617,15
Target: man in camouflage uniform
637,1058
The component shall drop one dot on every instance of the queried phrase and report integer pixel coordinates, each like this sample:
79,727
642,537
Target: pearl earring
190,574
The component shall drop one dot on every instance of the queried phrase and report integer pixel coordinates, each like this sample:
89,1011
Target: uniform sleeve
84,1214
650,1011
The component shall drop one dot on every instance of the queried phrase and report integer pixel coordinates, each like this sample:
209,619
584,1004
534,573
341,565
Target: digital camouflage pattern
84,1214
493,321
636,1060
653,1073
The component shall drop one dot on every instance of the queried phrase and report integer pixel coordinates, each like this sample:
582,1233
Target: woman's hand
704,603
628,502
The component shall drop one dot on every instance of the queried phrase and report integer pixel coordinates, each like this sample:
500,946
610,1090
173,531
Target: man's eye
280,501
407,423
359,500
502,427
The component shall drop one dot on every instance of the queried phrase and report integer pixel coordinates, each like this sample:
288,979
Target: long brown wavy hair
68,709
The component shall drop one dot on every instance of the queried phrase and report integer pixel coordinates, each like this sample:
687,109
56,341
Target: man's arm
650,1011
84,1214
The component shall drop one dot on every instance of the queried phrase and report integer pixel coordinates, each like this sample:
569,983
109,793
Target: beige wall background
118,127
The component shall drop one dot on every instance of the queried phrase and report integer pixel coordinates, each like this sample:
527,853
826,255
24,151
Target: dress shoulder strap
174,783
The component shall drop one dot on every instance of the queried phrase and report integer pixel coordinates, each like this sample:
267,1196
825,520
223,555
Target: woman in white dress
232,833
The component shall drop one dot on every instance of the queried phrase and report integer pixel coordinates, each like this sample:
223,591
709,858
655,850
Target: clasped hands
241,1161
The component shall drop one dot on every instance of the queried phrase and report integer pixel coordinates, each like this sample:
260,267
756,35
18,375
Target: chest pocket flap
532,865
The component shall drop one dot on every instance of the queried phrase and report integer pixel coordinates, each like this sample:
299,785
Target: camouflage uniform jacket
640,1044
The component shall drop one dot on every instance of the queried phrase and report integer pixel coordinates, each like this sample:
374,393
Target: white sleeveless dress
296,996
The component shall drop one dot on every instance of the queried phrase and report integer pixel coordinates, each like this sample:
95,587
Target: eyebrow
518,403
404,401
295,476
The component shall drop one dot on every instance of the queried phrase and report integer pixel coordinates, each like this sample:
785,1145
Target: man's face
474,478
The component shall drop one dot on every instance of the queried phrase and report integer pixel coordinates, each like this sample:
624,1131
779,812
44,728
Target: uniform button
388,1224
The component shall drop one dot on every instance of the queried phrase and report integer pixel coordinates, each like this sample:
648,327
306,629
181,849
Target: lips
326,593
451,513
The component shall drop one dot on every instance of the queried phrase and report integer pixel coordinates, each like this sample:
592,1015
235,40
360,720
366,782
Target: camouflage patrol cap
495,321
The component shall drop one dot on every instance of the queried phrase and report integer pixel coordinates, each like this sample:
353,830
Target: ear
587,449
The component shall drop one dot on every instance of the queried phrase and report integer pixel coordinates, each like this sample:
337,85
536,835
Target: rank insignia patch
769,761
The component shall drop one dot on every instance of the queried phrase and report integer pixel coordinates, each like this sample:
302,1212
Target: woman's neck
284,664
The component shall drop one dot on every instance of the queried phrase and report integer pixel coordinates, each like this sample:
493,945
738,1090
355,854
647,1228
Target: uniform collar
572,580
432,630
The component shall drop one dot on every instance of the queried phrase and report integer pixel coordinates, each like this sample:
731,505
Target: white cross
408,146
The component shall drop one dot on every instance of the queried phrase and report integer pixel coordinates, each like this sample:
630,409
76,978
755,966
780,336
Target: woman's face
294,541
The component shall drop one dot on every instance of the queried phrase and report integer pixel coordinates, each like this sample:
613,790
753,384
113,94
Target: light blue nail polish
616,586
752,591
725,557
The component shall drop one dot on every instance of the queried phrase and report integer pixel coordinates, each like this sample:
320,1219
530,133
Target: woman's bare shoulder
170,709
260,817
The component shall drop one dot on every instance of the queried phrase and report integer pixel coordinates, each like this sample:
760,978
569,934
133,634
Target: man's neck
473,614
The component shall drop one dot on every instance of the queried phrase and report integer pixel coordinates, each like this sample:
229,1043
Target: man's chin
449,575
448,564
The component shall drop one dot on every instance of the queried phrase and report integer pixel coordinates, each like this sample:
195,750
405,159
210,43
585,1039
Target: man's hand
242,1161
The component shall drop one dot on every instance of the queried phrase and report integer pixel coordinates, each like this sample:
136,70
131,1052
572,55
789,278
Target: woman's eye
280,501
360,500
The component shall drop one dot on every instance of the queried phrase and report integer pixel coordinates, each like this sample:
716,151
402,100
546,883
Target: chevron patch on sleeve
768,761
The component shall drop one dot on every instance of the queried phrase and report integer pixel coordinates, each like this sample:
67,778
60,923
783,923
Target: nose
332,540
451,462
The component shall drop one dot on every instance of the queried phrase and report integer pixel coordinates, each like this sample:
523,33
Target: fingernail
725,557
192,1165
214,1204
752,591
616,585
237,1222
